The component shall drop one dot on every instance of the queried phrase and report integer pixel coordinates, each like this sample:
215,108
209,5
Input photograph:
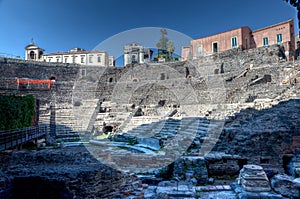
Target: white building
79,56
111,61
33,52
74,56
136,53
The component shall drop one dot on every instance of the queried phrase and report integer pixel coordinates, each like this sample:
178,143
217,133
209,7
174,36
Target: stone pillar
126,57
141,58
50,138
254,179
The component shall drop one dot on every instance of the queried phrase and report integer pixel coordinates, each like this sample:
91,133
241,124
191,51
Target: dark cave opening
35,187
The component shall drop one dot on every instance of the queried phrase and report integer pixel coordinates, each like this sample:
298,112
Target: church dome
31,46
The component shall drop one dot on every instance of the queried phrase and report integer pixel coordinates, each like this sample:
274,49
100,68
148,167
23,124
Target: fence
13,138
6,55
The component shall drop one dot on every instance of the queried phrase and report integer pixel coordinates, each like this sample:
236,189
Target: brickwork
243,38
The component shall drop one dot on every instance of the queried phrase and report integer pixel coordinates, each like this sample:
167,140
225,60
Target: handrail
13,138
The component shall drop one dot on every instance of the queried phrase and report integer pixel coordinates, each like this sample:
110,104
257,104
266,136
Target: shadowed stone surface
286,186
63,173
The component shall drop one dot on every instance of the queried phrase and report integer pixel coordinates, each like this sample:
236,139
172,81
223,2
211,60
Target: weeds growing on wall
16,111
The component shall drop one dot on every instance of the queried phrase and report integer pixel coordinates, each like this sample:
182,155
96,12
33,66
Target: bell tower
33,52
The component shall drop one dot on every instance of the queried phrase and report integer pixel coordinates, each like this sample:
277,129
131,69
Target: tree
296,4
170,48
165,46
162,44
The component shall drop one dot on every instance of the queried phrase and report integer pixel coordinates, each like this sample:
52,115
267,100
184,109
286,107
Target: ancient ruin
229,128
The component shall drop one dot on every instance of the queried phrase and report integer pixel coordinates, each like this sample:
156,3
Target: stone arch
40,54
110,79
107,129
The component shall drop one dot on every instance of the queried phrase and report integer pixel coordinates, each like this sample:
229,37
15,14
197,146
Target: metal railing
12,138
7,55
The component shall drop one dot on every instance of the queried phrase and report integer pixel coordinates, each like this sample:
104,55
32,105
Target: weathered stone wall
264,136
64,74
236,59
37,70
263,60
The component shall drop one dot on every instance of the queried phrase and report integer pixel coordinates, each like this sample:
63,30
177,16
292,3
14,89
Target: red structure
243,38
25,81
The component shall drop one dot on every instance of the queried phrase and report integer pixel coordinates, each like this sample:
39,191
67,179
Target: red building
243,38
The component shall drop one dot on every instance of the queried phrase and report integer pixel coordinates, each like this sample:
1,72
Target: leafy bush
16,111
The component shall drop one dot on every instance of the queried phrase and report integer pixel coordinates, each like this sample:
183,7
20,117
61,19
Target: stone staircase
44,116
292,75
137,124
165,141
73,121
173,133
111,114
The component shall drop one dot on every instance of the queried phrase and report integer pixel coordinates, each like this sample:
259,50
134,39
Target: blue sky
59,25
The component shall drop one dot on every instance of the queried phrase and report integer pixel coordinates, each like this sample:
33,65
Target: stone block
253,179
286,185
191,167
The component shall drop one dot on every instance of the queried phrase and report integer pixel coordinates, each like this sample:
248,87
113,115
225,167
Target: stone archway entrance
108,129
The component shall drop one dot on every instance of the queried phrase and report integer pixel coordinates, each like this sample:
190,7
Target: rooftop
77,51
274,25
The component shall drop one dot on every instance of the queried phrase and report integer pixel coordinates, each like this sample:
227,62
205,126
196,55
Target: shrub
16,111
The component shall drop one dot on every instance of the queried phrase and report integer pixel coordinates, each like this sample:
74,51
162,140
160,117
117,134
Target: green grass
103,136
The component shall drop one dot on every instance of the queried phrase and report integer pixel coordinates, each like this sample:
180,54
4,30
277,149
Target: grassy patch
103,136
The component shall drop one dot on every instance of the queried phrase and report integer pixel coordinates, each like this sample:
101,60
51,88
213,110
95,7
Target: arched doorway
52,78
32,55
107,129
40,54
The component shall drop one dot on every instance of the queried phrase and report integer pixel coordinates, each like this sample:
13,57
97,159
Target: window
279,38
40,54
234,43
133,58
49,60
57,60
66,59
265,41
83,72
82,60
215,47
32,55
90,59
99,59
74,59
247,44
199,50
